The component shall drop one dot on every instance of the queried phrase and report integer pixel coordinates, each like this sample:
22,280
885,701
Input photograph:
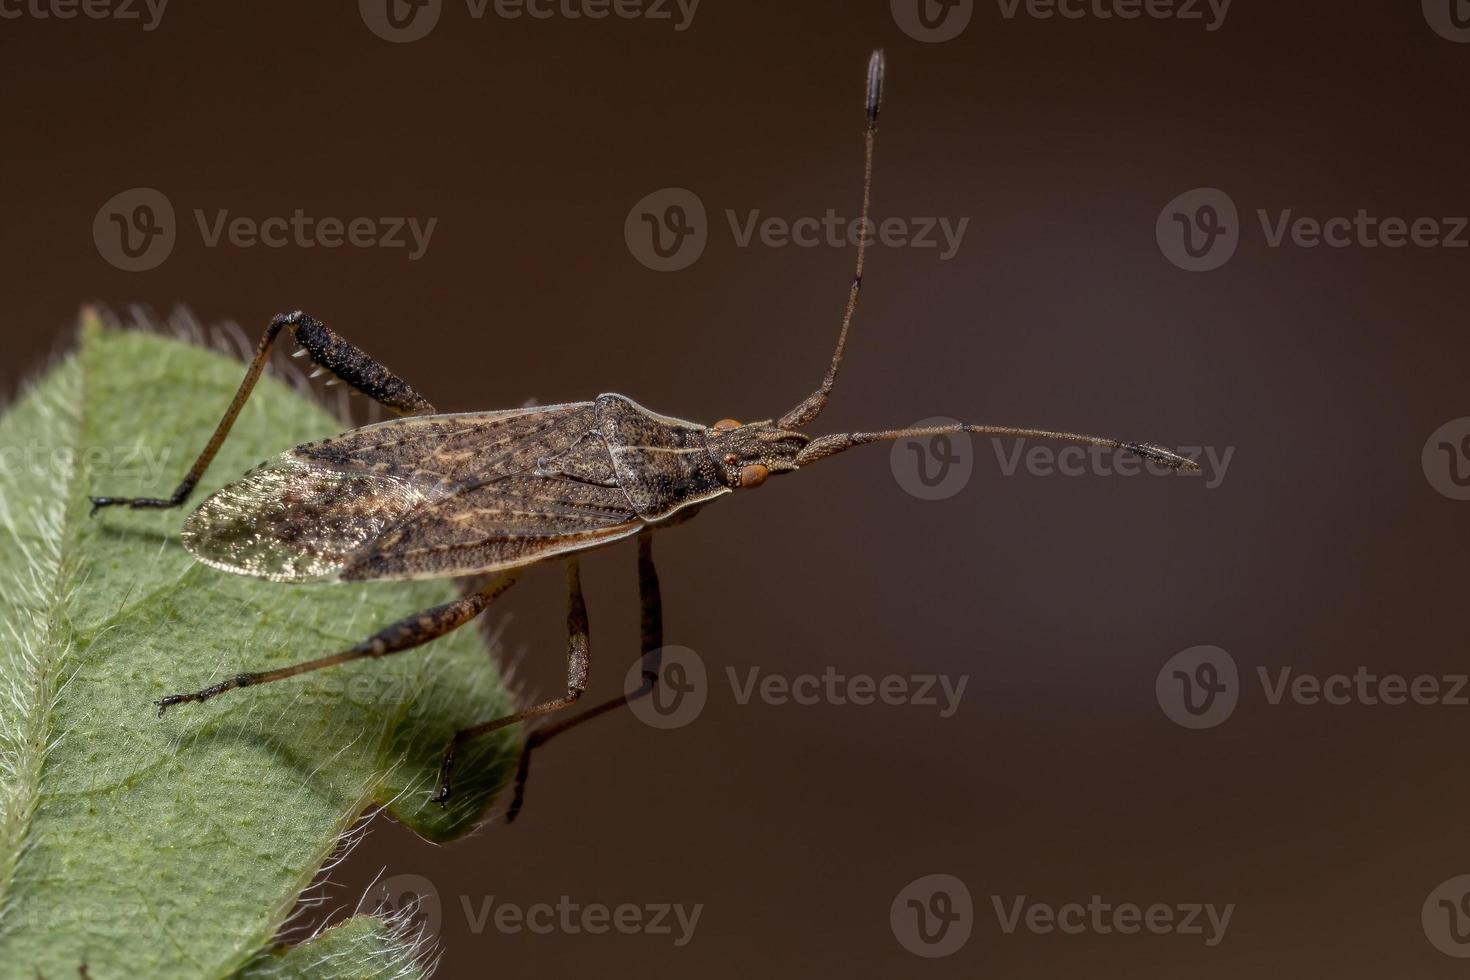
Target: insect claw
174,699
333,381
301,353
318,372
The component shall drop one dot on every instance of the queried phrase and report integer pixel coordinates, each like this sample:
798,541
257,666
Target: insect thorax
663,464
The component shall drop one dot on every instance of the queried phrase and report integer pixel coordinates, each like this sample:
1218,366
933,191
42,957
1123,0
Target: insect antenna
824,446
817,400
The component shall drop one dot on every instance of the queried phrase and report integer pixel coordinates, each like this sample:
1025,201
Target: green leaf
364,947
176,846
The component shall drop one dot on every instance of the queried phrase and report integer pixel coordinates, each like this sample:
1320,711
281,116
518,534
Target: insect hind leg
406,634
347,362
578,668
652,629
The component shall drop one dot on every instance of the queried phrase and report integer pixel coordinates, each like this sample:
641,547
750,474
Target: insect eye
725,425
753,475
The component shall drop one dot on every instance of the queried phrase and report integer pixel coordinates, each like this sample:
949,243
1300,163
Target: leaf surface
176,846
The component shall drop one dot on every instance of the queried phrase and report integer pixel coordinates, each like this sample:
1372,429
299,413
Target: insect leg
405,634
577,670
652,623
328,350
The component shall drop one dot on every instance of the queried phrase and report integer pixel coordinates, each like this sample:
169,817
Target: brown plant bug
441,496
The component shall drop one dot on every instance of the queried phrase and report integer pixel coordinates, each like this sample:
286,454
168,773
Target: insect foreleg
652,622
403,635
332,353
578,666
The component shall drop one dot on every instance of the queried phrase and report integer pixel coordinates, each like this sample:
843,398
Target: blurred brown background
1324,548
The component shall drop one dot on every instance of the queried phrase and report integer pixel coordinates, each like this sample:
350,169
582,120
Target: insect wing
453,451
291,521
308,512
508,521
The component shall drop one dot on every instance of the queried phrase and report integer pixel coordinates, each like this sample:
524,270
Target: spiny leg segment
578,667
414,631
350,364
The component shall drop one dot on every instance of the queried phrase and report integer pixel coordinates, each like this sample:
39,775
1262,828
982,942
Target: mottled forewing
291,520
453,451
506,522
312,511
